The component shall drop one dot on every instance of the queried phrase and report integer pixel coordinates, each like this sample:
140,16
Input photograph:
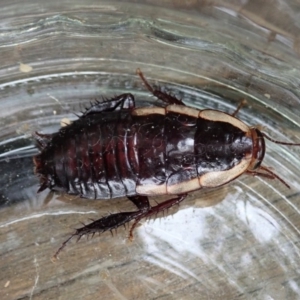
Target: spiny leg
123,101
116,220
155,210
110,222
157,93
42,139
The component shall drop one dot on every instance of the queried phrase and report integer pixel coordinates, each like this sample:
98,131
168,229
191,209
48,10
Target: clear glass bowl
239,241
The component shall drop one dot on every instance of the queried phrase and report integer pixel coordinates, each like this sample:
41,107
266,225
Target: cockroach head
259,148
255,168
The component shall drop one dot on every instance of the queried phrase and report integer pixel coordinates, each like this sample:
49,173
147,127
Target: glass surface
239,241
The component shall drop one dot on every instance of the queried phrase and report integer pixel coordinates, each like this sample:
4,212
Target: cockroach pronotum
115,149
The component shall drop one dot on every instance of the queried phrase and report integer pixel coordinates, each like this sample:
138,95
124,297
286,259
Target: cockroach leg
242,103
155,210
169,99
141,202
107,223
269,174
124,101
110,222
114,221
42,139
63,245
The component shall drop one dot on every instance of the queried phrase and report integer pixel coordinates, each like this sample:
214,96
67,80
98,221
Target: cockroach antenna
279,142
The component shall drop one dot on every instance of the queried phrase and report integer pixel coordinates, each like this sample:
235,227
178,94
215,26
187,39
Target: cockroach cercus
115,149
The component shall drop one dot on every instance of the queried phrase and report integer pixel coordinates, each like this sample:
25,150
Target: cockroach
115,149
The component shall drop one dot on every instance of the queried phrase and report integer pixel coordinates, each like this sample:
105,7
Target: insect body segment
115,149
125,153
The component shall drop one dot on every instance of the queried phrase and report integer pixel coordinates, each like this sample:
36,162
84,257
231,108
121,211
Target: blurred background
240,241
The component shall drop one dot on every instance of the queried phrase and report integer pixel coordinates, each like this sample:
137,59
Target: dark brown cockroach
115,149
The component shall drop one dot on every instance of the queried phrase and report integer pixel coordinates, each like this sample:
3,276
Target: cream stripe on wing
217,178
215,115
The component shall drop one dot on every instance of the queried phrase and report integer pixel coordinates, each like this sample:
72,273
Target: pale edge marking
184,187
151,189
214,179
183,110
180,109
215,115
145,111
175,189
211,179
